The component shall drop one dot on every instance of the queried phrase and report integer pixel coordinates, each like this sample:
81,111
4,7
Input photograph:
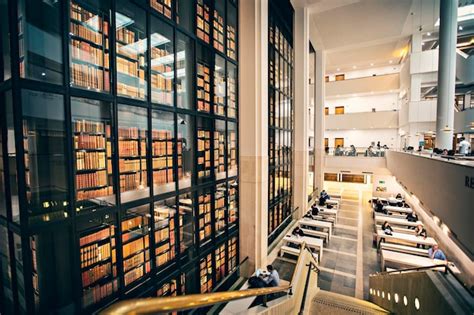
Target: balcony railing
355,151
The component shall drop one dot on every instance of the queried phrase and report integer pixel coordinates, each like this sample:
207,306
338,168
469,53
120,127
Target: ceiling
364,32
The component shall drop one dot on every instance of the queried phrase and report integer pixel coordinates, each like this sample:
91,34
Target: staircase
326,302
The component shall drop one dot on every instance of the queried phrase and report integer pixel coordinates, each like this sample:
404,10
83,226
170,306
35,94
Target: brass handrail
185,302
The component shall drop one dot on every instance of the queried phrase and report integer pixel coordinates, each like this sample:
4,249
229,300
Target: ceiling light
338,69
390,61
460,28
354,67
372,64
428,34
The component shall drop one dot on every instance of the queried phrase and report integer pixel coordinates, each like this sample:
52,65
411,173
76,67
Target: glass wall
5,62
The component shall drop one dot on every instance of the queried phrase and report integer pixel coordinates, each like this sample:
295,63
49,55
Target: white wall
362,73
363,138
359,104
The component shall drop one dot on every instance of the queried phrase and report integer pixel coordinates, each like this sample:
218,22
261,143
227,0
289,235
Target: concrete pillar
253,129
446,73
319,97
301,103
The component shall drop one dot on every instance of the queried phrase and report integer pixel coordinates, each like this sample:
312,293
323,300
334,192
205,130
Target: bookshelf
205,273
165,232
219,86
220,261
232,149
203,28
98,264
219,208
186,222
203,88
162,159
233,202
135,244
89,48
34,271
231,31
219,151
218,24
231,90
164,7
203,153
233,258
204,216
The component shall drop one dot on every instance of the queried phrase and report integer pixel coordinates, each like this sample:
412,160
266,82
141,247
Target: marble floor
349,258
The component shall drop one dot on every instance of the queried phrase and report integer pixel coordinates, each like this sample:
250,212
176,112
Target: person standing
464,146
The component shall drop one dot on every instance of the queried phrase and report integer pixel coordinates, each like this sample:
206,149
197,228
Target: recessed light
390,61
338,69
354,67
423,44
428,34
372,64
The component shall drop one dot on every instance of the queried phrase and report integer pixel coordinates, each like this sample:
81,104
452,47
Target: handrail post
264,304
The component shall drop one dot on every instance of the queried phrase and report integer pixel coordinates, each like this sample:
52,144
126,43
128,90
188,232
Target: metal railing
356,151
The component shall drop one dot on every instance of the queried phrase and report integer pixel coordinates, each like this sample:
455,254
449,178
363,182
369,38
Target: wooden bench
404,249
294,252
318,234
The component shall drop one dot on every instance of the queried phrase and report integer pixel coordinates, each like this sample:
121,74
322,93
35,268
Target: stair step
326,302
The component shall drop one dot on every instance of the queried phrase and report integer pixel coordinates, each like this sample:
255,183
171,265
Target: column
446,73
301,79
319,96
253,129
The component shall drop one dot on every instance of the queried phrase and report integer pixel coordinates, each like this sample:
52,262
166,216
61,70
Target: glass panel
203,149
185,71
93,151
5,41
219,86
231,32
20,280
172,287
163,6
205,274
165,231
219,208
13,178
219,25
232,153
163,150
131,48
40,36
203,18
204,215
162,63
132,149
136,243
221,265
5,272
98,260
89,44
232,91
203,80
233,258
185,14
45,161
233,202
185,150
3,206
186,224
219,149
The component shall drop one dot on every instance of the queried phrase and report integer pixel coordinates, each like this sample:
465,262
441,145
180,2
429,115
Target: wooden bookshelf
89,48
220,260
219,152
231,96
219,208
162,156
165,239
135,247
218,31
233,259
233,202
205,273
164,7
232,150
162,73
132,158
204,153
203,28
204,217
231,42
203,88
219,89
98,264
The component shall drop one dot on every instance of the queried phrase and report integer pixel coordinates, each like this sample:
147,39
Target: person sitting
421,232
314,210
353,151
297,231
435,253
338,151
386,228
379,207
412,217
273,279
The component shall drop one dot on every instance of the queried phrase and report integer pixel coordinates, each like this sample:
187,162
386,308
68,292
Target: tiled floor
345,262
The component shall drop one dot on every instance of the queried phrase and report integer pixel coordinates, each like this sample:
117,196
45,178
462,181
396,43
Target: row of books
164,254
162,162
160,91
87,141
202,21
85,52
205,273
87,126
131,148
80,14
220,262
97,293
96,193
94,253
96,273
162,147
218,34
132,165
231,97
90,76
131,224
161,134
91,180
203,88
136,246
90,160
232,247
88,34
131,68
162,6
136,273
163,176
231,46
125,36
131,133
134,261
132,181
219,93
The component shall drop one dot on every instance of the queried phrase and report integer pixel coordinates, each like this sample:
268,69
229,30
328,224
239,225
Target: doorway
339,142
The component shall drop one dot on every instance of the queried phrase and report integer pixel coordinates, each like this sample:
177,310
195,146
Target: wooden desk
327,212
398,209
395,221
316,224
409,238
402,260
334,203
312,242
